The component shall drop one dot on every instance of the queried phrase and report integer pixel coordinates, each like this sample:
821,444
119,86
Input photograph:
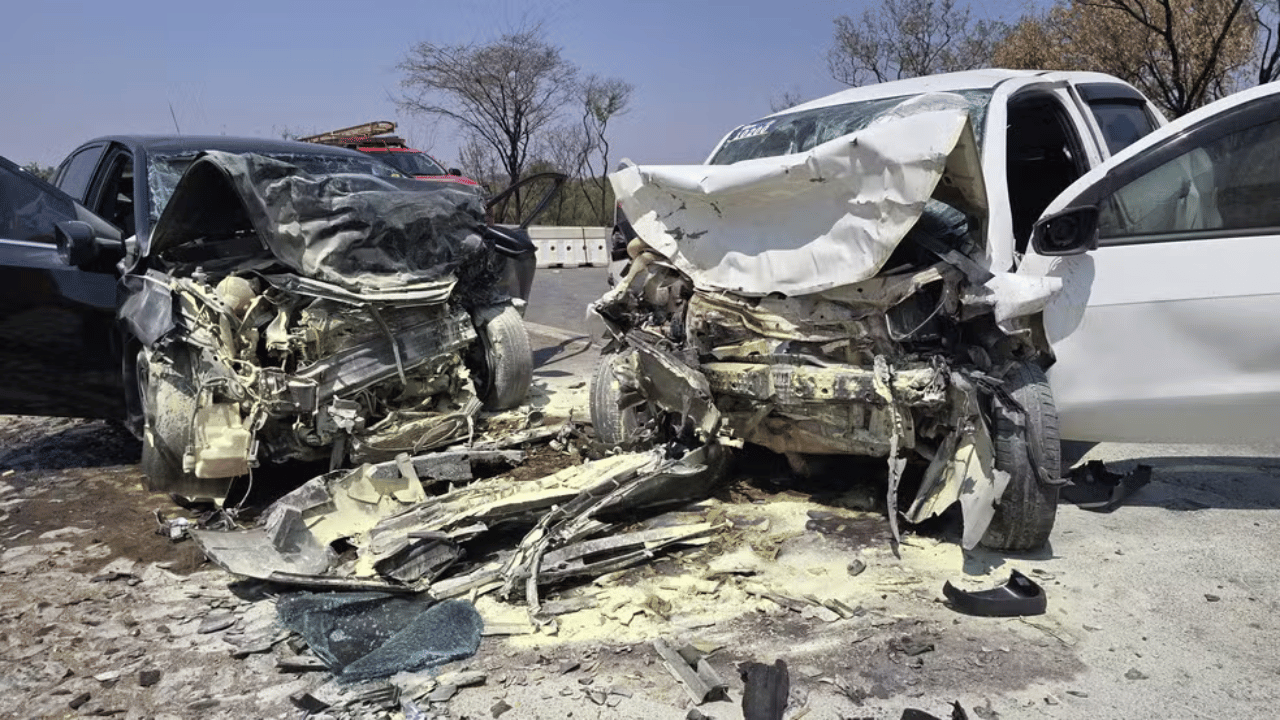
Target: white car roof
947,82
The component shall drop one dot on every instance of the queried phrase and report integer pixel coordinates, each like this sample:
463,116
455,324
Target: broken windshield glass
805,129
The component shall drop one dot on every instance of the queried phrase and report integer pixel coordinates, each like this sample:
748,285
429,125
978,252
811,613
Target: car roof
195,143
946,82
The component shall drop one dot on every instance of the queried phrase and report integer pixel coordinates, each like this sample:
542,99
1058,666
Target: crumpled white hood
807,222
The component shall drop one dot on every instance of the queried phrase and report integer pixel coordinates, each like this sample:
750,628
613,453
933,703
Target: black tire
1025,514
168,407
614,426
502,363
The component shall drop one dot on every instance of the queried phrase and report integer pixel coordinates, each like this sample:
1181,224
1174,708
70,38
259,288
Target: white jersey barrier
571,246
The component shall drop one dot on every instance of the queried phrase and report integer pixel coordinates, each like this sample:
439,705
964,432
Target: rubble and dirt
149,631
102,615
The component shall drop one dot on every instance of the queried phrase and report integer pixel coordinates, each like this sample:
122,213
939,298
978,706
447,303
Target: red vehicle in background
374,139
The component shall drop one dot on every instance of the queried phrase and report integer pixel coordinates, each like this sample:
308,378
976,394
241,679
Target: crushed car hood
359,232
807,222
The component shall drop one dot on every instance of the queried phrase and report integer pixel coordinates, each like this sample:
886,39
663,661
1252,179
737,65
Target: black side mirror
79,246
1068,233
455,171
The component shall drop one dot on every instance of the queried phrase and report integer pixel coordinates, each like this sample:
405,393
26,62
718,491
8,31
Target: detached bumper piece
1019,596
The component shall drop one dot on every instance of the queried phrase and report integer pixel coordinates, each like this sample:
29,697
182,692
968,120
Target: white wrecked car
842,278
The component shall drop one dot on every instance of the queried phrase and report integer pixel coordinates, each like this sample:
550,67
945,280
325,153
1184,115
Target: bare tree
602,100
1266,17
478,161
502,93
788,99
565,148
1180,53
909,38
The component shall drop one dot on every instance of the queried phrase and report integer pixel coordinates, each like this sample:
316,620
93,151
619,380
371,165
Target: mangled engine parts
255,372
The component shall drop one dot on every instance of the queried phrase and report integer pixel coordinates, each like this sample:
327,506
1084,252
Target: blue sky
70,71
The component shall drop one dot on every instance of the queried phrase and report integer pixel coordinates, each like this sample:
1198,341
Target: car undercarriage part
1095,488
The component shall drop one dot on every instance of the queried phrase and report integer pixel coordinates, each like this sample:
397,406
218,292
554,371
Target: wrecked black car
301,305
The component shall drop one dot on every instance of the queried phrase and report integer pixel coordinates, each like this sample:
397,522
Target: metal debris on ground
691,668
1093,487
408,541
765,690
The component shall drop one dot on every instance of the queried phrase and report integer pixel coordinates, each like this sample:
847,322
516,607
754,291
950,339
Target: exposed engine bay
283,316
804,304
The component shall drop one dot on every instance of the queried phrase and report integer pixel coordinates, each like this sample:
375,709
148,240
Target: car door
58,353
1167,330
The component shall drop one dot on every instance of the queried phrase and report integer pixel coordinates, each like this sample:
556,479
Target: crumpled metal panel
819,428
674,385
359,232
808,222
788,384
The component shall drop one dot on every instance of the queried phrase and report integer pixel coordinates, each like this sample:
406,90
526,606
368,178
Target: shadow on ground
81,443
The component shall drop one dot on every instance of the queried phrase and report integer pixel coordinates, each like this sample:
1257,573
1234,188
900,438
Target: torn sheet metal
355,231
406,539
298,531
962,470
803,223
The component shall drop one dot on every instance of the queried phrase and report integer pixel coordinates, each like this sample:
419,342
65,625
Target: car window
114,202
164,171
411,162
1228,184
800,131
29,207
77,172
1122,123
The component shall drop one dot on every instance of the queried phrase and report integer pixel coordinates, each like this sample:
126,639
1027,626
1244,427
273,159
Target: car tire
1032,456
168,409
614,426
168,406
502,362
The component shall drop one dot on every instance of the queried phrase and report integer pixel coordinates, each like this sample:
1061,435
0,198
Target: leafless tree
788,99
479,161
565,148
502,93
603,99
909,38
1266,15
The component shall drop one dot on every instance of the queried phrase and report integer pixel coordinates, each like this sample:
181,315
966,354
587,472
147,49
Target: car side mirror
79,246
455,171
1068,233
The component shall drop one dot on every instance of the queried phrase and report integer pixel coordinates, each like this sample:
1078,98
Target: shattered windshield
166,170
805,129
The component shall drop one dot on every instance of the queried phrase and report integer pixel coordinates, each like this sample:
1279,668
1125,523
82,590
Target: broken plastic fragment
1019,596
362,636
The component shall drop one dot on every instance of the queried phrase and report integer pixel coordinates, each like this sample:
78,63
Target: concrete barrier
571,246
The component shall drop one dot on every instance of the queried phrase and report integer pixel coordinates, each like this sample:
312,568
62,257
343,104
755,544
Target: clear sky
71,71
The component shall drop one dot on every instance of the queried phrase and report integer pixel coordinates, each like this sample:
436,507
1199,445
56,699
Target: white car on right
1168,324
